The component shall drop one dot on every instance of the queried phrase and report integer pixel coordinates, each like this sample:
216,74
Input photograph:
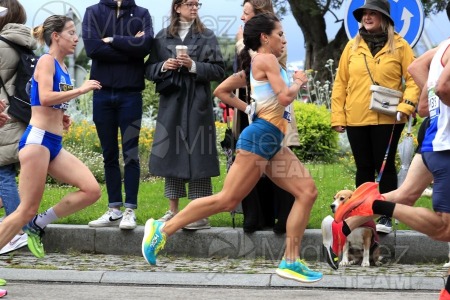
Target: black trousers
267,206
369,145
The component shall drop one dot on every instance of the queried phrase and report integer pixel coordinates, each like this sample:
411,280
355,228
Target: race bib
433,102
63,87
287,113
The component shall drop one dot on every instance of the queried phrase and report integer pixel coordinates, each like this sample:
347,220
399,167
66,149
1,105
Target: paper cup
181,49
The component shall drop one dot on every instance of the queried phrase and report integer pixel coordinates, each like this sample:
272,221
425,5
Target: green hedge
318,142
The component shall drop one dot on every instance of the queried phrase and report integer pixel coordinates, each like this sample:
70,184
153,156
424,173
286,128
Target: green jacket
351,90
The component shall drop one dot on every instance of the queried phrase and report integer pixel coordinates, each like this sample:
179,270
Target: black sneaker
384,224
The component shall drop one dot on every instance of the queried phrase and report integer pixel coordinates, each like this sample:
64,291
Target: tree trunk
310,18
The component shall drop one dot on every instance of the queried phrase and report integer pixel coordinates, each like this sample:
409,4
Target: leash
383,165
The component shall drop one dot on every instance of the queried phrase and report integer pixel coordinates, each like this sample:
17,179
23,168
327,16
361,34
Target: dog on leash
362,243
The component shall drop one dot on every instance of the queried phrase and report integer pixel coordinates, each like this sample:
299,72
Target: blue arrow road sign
407,15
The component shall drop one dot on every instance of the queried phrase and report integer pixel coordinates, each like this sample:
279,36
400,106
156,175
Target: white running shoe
128,220
167,216
200,224
109,218
428,192
18,241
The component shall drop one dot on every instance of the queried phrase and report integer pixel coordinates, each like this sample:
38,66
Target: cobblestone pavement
97,262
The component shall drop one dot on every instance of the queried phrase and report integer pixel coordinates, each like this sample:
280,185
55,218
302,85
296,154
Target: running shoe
3,293
298,271
154,240
108,219
200,224
360,203
444,295
428,192
333,240
2,282
35,234
128,220
167,216
17,242
384,225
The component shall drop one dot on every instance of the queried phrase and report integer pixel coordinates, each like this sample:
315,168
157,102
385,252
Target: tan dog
361,246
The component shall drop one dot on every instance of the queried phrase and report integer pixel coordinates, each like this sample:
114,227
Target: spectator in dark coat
184,147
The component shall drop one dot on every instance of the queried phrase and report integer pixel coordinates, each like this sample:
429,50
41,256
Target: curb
404,247
366,282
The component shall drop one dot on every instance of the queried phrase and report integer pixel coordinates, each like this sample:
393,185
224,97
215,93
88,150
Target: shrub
318,142
93,160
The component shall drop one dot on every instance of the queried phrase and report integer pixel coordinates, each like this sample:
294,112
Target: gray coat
184,143
11,133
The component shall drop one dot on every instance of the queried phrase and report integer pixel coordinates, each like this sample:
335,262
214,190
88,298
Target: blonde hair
55,23
261,6
387,27
38,33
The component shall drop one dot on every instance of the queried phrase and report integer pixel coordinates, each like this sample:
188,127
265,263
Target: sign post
408,19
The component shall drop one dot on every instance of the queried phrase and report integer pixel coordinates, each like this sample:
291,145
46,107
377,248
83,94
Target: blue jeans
8,188
114,110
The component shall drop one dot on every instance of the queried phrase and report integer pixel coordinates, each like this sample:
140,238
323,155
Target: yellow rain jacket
351,94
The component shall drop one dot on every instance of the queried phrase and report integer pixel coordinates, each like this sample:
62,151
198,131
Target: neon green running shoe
298,271
35,234
154,240
2,282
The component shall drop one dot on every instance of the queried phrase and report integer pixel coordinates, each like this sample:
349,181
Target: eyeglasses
192,4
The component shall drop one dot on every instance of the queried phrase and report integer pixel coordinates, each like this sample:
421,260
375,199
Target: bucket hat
381,6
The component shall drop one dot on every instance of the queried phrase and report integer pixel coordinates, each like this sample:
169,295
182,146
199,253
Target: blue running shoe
298,271
35,234
154,240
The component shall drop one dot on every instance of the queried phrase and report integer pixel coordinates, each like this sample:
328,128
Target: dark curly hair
262,23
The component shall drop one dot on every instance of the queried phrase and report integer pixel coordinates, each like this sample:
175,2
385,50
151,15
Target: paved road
94,276
49,291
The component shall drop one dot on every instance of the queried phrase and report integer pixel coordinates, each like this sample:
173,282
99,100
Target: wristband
248,109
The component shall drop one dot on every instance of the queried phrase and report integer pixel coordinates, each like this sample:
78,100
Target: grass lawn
329,179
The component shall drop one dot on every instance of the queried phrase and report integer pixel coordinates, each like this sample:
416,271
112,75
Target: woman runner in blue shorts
40,149
259,148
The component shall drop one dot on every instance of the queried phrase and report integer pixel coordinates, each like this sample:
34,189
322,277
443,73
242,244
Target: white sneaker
128,220
109,218
18,241
200,224
428,192
167,216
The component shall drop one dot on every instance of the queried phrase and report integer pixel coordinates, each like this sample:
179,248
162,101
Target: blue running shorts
36,136
438,163
262,138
